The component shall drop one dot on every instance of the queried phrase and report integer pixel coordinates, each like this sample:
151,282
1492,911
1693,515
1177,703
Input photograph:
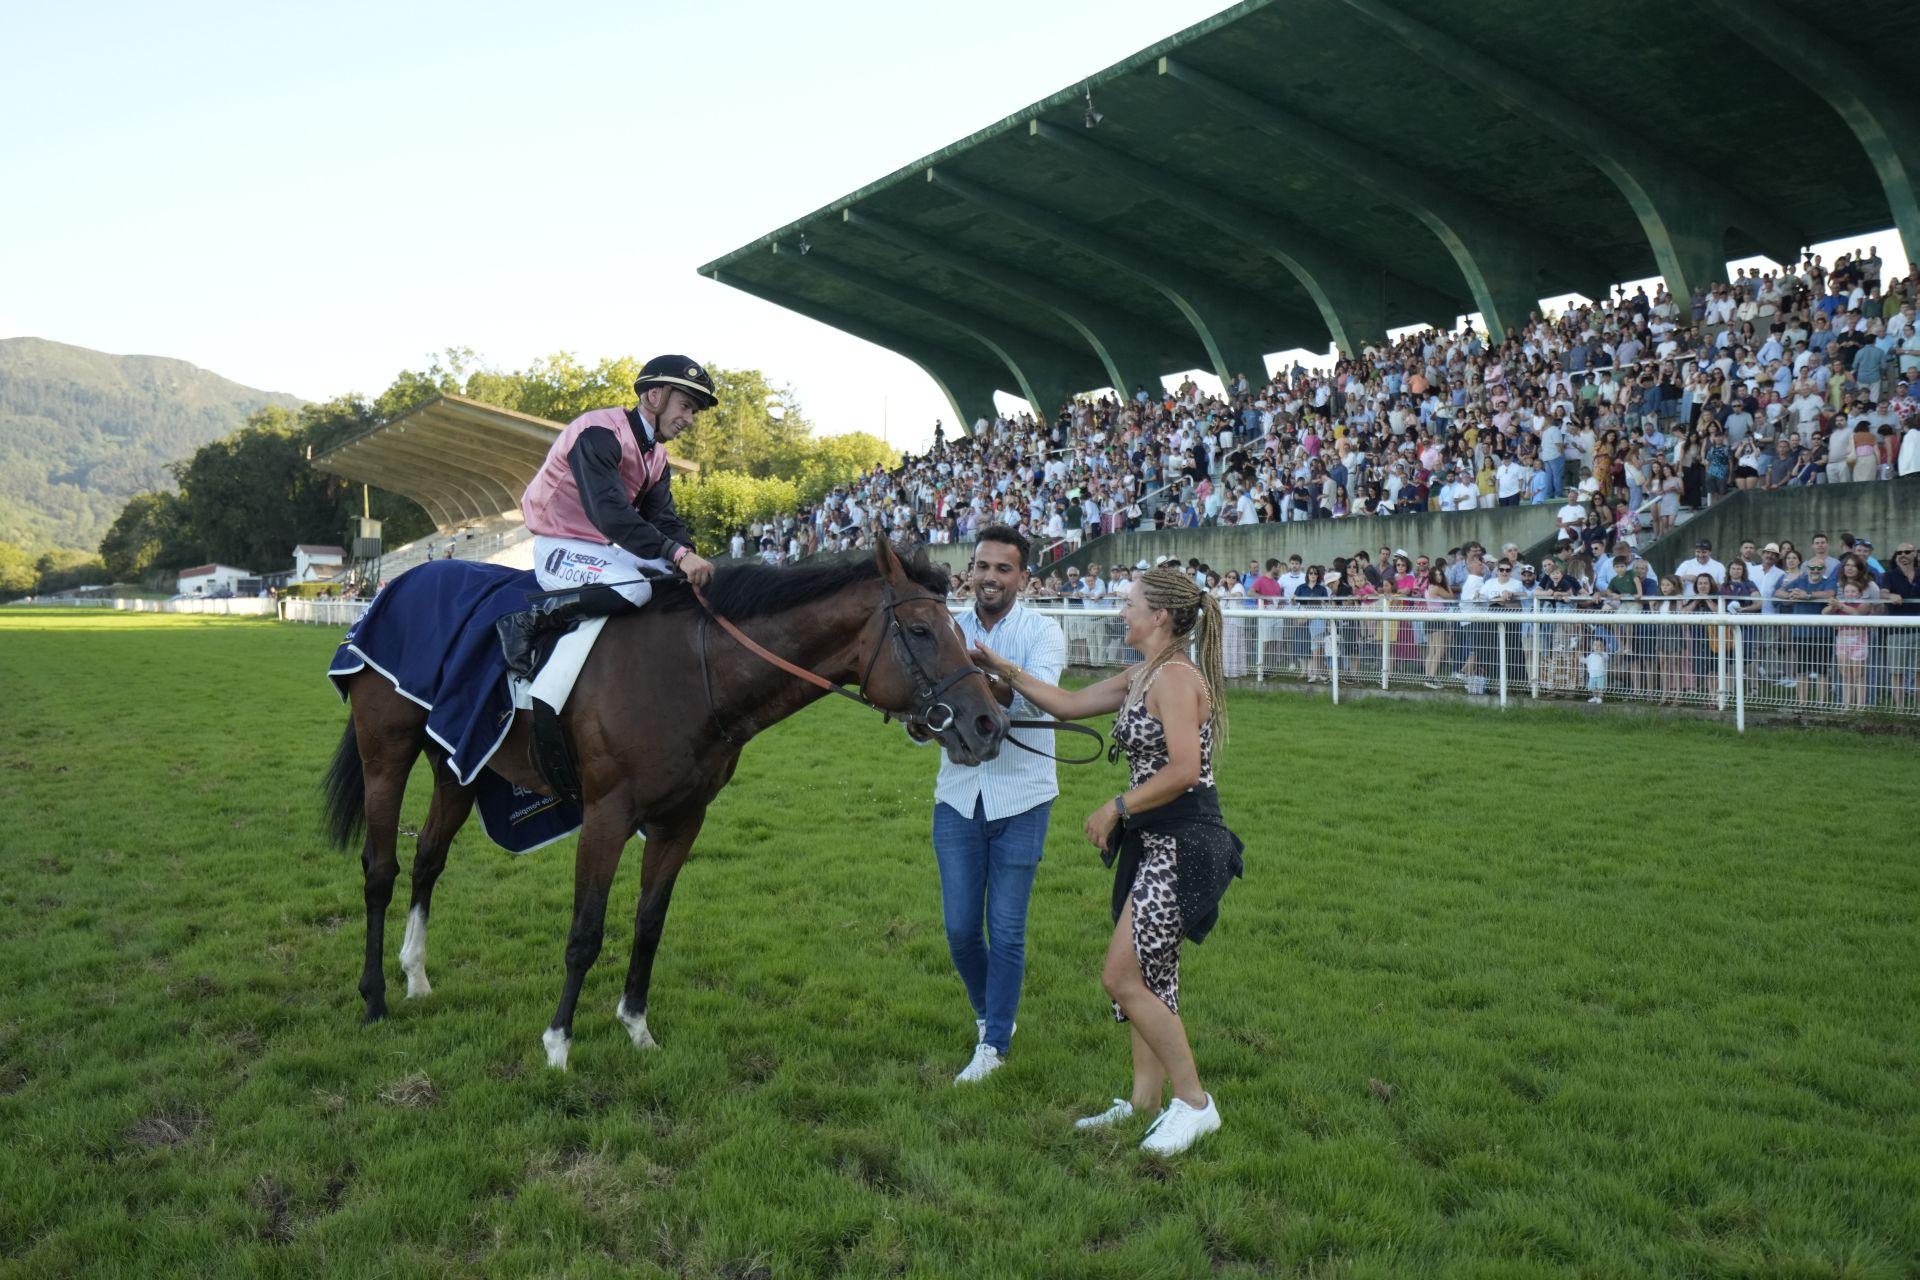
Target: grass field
1640,997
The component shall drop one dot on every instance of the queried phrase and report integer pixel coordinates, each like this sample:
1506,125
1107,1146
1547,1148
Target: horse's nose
987,727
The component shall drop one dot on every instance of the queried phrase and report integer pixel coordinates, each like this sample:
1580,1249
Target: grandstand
466,464
1285,175
1228,194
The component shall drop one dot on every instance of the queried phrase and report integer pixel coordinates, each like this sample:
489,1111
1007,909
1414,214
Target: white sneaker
1120,1110
1595,699
986,1061
980,1030
1180,1126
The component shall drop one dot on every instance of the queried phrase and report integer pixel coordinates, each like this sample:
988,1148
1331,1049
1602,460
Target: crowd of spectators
1630,410
1592,646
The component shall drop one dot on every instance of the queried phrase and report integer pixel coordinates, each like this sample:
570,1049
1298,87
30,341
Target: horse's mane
755,590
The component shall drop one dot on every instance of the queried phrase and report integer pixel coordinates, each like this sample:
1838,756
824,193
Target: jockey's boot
520,632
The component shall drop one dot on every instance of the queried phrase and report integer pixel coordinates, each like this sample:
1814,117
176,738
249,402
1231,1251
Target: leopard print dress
1157,920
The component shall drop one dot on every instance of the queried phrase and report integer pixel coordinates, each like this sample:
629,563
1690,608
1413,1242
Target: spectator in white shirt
1509,481
1689,571
1767,575
1569,520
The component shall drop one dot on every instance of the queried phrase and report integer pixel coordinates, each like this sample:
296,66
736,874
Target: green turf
1640,996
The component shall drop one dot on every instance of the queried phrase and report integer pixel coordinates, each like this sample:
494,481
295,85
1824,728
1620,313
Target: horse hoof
417,985
374,1013
557,1043
636,1025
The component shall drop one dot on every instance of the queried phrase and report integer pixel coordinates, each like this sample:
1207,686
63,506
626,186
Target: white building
313,563
212,580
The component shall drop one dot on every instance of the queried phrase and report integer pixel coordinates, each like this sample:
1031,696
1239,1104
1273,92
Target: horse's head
917,666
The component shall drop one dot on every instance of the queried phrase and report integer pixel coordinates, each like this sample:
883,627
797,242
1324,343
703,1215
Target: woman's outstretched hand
989,661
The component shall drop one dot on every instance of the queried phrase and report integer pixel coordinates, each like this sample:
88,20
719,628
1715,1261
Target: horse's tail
345,792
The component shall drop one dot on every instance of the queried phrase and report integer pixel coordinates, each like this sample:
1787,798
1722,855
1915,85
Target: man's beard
992,611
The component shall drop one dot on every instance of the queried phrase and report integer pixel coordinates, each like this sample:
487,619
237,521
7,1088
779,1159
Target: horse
658,717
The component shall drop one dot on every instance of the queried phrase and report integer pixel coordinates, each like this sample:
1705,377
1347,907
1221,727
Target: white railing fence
231,606
330,613
1727,663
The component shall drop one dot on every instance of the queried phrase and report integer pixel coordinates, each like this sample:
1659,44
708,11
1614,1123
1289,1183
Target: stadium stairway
500,540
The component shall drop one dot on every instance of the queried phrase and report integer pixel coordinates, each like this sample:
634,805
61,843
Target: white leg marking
636,1025
413,954
557,1045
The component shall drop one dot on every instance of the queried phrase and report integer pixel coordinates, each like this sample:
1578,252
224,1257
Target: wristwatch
1120,807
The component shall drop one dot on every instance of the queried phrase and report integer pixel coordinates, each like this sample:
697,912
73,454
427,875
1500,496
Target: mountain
82,431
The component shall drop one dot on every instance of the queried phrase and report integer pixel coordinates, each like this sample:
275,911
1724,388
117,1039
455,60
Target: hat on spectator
1142,565
1702,545
1773,547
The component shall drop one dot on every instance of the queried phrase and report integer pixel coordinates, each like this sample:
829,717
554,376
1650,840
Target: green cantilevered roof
1293,172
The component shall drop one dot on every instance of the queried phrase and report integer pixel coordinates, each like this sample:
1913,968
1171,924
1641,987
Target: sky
313,198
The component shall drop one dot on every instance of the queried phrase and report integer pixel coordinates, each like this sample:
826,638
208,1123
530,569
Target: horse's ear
884,558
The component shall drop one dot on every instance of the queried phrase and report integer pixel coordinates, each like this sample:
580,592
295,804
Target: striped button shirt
1015,780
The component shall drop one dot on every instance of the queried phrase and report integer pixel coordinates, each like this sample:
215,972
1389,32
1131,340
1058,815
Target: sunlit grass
1638,996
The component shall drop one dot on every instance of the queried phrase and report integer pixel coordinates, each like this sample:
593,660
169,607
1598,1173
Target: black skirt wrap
1209,856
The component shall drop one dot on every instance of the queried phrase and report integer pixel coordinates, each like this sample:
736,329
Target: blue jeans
986,877
1556,477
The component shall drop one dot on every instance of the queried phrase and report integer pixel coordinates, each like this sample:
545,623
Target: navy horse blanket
430,632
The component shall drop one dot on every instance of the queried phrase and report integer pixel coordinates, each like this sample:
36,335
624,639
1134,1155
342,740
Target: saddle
558,657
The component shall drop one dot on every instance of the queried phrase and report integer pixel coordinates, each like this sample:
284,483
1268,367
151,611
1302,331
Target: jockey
601,509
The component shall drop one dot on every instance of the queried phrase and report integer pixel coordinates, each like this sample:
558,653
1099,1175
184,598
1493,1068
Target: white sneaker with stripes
1120,1110
1180,1126
986,1061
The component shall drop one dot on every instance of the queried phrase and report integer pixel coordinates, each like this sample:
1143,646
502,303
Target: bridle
928,707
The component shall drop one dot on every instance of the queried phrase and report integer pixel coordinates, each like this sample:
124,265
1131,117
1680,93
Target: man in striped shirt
990,820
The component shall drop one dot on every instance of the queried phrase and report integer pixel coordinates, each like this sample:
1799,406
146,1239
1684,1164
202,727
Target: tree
17,572
717,503
147,535
249,498
64,567
834,460
755,429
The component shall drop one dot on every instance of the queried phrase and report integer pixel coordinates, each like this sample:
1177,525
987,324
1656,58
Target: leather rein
928,710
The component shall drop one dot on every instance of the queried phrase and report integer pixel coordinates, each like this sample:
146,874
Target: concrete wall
1319,541
1883,510
957,556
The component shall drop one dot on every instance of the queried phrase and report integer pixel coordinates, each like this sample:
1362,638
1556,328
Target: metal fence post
1333,658
1739,680
1503,662
1720,658
1386,649
1534,633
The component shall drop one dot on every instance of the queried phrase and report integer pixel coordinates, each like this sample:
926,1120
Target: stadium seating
1642,408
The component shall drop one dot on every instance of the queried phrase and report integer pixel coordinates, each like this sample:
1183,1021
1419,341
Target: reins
927,691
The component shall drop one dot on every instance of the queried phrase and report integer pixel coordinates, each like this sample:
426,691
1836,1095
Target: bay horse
658,716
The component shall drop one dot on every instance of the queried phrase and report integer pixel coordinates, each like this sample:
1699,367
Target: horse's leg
451,805
610,819
389,739
660,863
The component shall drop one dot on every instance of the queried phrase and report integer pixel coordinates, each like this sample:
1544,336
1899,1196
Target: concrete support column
1877,104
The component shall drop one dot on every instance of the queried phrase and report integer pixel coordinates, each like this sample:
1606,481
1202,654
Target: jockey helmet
678,372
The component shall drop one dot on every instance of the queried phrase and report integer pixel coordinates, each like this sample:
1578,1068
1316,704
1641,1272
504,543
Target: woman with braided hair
1172,854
